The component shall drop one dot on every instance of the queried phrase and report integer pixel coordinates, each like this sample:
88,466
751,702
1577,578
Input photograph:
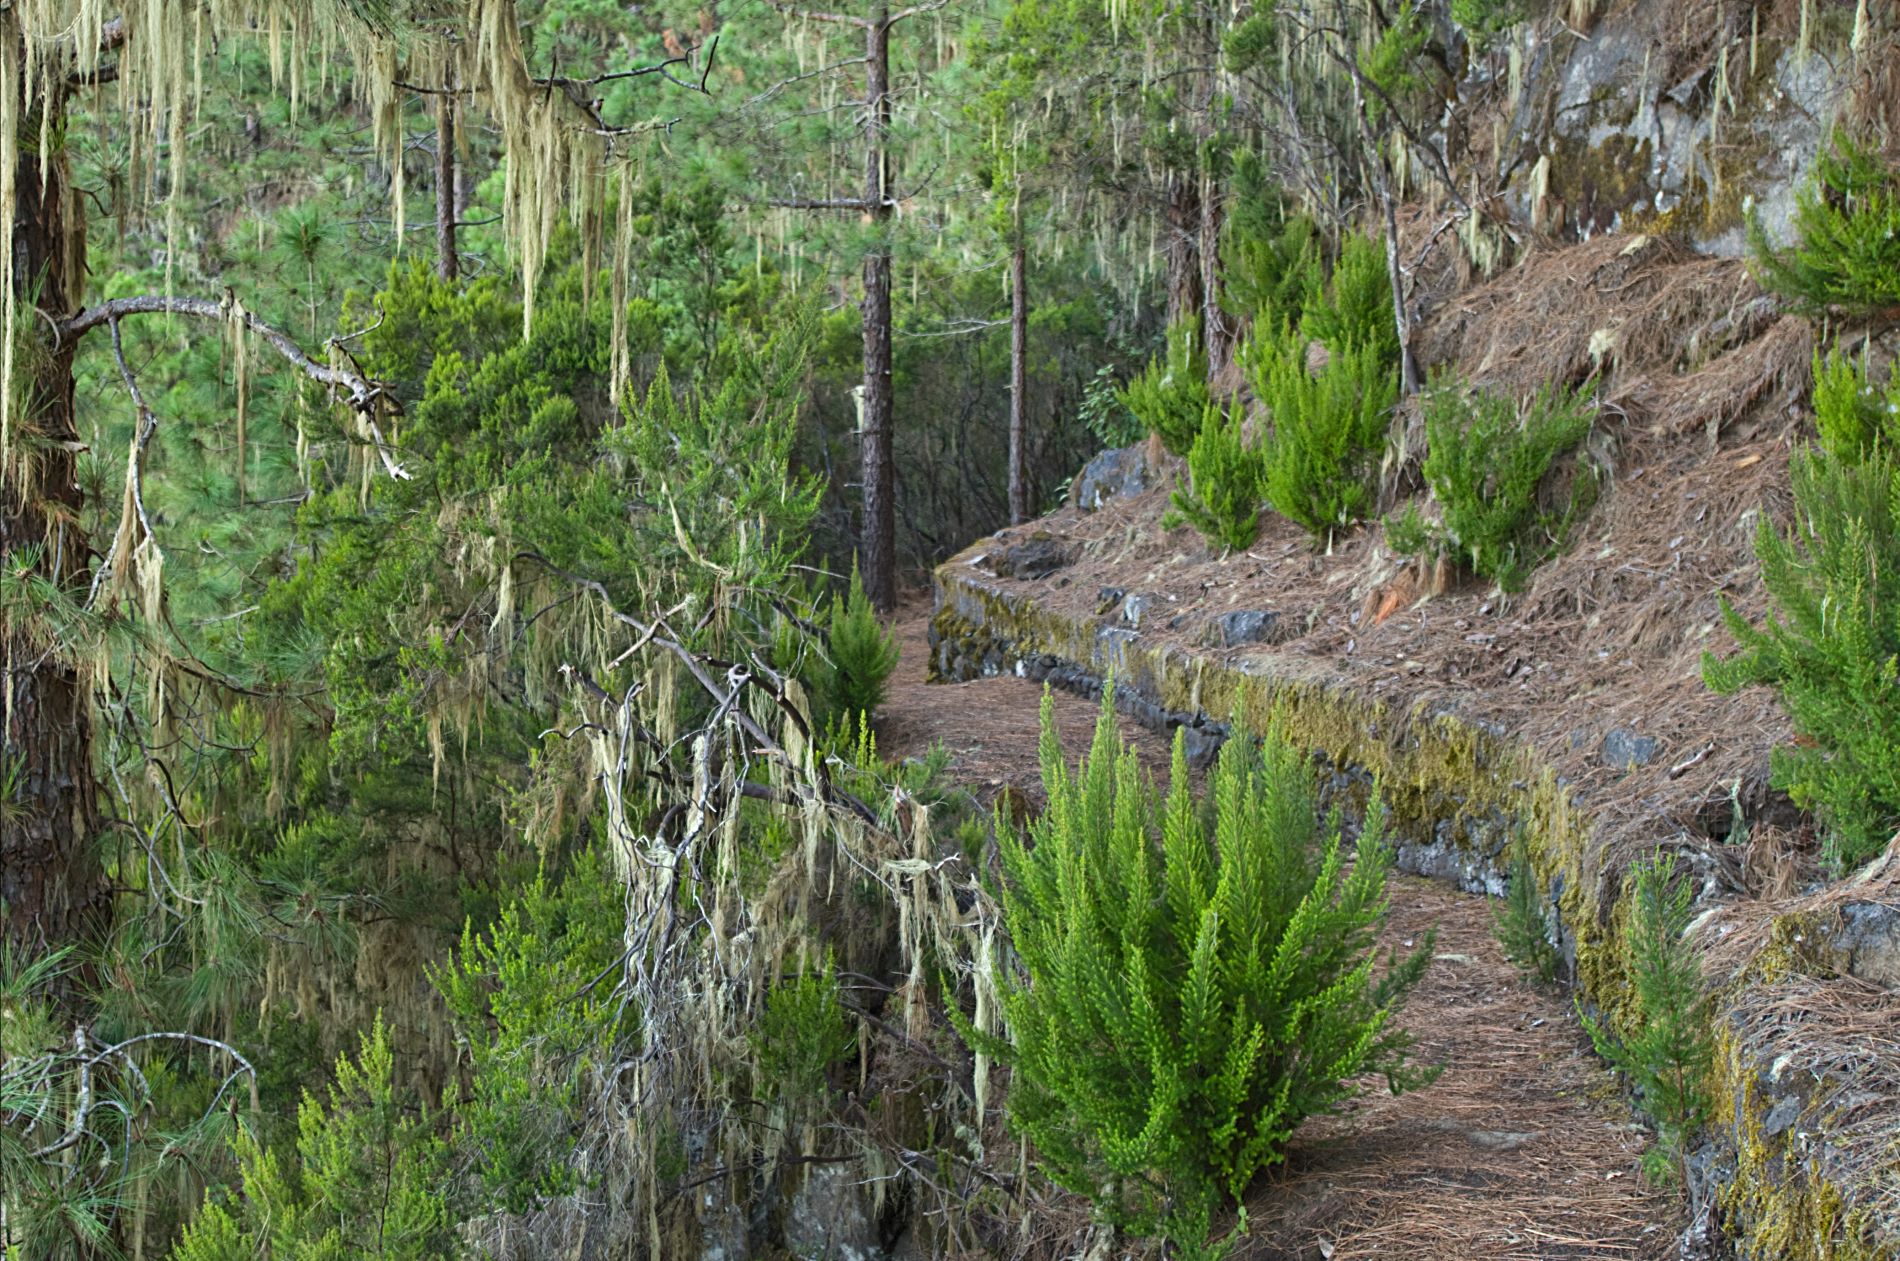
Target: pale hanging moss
559,152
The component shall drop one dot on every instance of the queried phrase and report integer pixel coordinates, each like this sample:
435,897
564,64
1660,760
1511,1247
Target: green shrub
1848,255
1355,312
535,1025
1194,981
802,1032
1328,430
368,1180
1104,414
1171,396
1521,927
1270,259
1483,19
1850,413
1486,464
1228,474
1669,1057
1831,645
863,654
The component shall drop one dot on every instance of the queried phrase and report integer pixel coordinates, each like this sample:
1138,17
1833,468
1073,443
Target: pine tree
50,878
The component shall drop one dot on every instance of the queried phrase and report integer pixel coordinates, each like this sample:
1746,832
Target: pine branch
365,395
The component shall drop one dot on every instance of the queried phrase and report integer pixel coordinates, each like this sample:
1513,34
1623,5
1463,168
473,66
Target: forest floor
1523,1148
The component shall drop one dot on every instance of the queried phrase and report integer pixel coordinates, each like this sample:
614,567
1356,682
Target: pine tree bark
447,265
1018,379
878,547
52,887
1184,255
1216,337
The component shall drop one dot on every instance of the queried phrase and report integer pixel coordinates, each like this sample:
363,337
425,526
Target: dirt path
1524,1147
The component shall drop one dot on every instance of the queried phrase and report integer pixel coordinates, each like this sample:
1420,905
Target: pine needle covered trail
1523,1149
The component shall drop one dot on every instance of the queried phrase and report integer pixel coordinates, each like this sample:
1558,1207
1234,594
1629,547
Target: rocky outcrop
1637,125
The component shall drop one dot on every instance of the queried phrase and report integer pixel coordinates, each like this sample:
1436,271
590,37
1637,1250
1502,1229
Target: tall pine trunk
1018,379
1184,254
1216,338
447,264
52,887
878,550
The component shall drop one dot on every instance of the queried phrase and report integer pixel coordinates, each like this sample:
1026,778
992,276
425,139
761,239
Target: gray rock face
1624,749
1037,556
1617,141
1244,626
1112,475
1869,934
829,1218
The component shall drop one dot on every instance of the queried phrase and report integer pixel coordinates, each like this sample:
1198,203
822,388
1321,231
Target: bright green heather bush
1521,927
1831,642
863,654
1194,982
1848,257
1850,412
1171,396
1669,1056
1328,430
1486,463
1483,19
1228,477
1355,313
1270,259
368,1181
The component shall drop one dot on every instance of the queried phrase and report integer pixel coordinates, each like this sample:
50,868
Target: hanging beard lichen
557,151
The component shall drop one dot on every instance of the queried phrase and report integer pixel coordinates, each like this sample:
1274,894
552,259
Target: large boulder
1112,475
1037,556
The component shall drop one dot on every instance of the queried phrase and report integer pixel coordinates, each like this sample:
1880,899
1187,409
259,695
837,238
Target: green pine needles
1848,257
1487,463
1171,397
1228,478
1195,981
368,1180
863,654
1669,1056
1831,643
1329,430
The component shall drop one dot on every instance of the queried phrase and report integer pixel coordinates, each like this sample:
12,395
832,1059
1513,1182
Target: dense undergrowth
493,840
